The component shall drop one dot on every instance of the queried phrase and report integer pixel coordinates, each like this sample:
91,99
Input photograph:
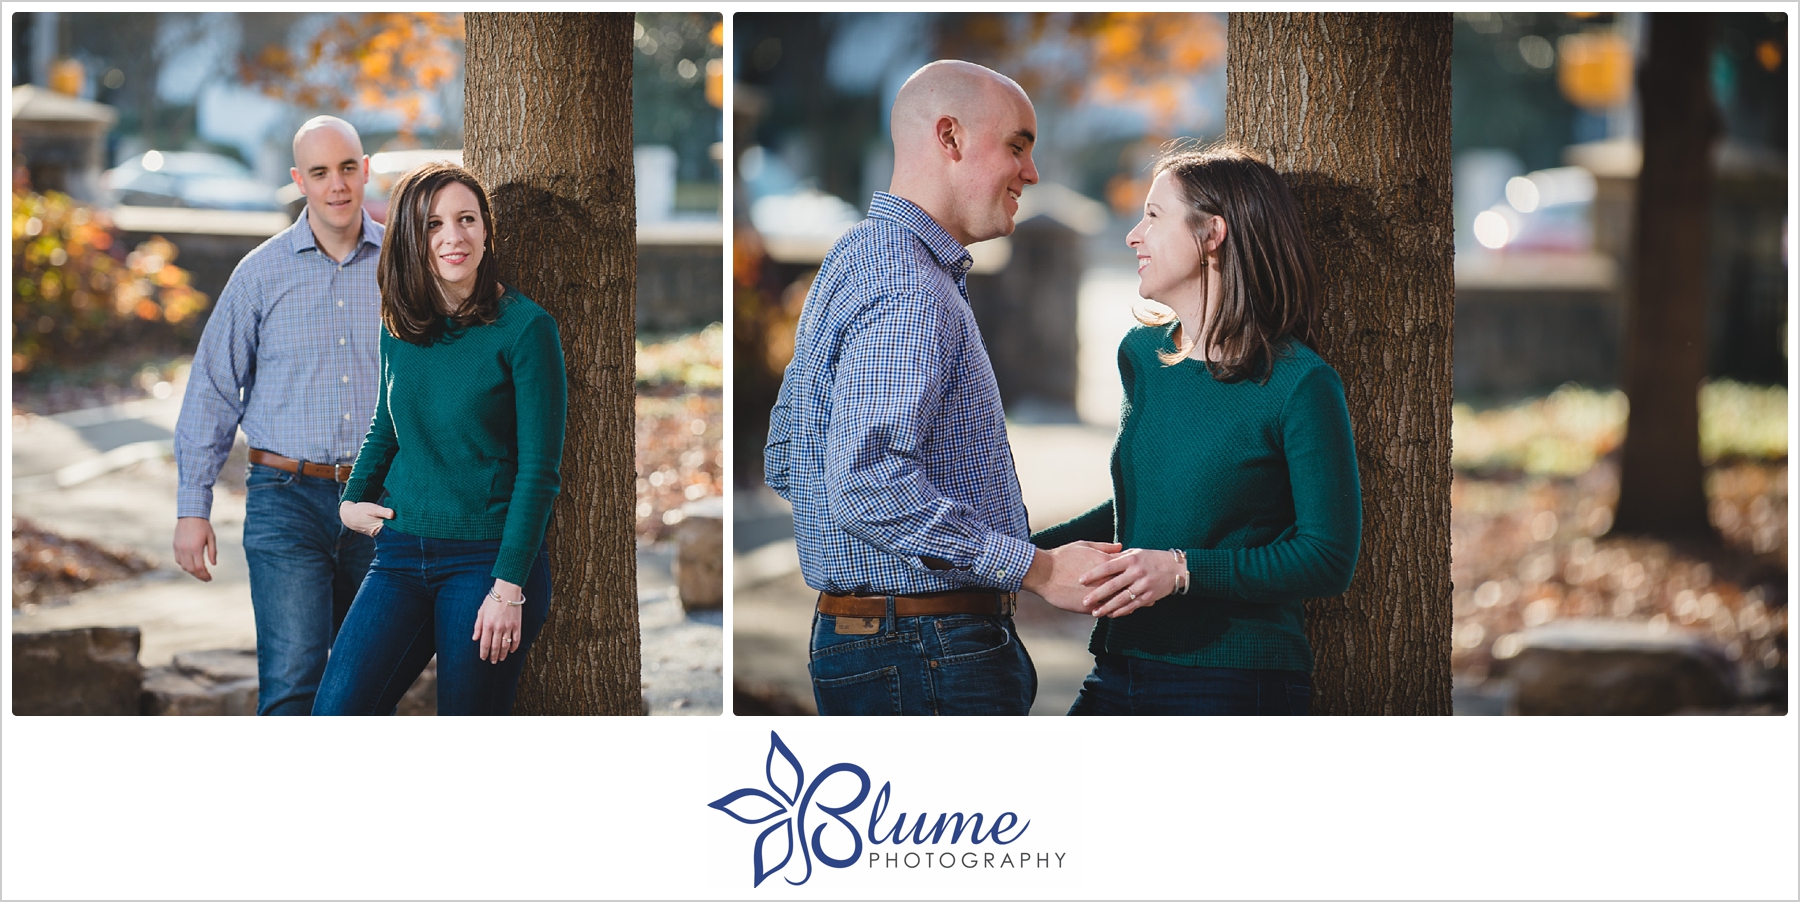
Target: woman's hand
364,517
1131,580
497,624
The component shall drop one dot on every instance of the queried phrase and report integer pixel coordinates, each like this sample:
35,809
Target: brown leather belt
1001,604
337,473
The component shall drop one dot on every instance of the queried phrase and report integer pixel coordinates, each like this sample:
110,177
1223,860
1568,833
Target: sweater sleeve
369,475
1094,526
540,392
1315,557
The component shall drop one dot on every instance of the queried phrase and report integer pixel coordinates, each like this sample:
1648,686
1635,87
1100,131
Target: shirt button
341,341
340,303
1002,574
346,417
346,378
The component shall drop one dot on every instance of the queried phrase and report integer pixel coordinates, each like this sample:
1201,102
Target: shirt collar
303,239
949,253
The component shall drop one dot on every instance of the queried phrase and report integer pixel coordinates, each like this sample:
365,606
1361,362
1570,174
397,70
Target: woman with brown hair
1235,492
463,456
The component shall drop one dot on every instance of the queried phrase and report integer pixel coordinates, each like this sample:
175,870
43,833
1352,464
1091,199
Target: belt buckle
1009,603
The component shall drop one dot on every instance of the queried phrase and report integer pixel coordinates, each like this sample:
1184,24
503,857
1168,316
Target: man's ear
298,181
948,133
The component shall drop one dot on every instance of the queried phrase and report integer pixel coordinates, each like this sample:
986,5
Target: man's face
996,166
331,171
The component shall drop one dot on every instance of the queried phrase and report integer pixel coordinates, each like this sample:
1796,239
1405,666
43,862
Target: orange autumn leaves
377,61
1150,62
75,290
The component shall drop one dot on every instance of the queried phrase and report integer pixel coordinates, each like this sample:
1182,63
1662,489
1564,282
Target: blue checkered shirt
888,436
291,352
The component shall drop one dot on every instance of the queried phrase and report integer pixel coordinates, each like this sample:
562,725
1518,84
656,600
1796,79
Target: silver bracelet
1181,577
494,594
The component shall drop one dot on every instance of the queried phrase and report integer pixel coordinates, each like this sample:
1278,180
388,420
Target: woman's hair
1269,288
413,297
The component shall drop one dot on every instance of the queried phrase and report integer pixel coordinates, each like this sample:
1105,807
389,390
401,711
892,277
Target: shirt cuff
193,501
1003,561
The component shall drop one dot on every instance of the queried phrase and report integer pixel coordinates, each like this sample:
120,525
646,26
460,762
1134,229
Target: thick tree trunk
1660,488
547,119
1354,109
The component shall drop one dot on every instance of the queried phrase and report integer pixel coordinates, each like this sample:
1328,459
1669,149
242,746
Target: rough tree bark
1354,110
547,122
1660,477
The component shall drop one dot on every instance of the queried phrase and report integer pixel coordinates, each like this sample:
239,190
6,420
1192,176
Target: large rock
93,670
215,682
1614,667
700,555
223,682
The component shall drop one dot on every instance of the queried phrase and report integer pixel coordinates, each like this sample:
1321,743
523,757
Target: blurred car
185,178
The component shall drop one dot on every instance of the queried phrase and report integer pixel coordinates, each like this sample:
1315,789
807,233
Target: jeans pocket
262,477
968,638
865,694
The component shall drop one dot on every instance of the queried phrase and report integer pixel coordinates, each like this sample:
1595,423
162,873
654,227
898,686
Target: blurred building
1546,159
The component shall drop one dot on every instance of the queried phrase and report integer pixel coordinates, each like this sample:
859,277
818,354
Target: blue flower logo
788,807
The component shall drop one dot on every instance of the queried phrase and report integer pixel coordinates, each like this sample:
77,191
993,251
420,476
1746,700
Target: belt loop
892,627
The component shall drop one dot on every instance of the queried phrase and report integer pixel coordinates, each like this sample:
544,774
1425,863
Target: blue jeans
420,599
305,568
1126,685
949,664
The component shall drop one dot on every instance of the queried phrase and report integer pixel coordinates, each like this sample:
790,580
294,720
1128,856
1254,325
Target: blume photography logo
792,807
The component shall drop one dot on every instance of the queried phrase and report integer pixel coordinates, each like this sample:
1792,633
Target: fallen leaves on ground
680,427
1527,550
47,566
678,458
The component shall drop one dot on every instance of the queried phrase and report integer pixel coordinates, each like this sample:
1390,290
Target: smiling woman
1235,489
464,459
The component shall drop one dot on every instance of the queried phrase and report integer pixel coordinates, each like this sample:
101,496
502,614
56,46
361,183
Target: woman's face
1168,256
456,237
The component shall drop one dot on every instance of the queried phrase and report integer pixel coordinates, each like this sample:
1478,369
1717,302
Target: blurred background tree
672,53
376,61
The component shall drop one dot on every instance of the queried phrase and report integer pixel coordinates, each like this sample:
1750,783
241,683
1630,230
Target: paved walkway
104,475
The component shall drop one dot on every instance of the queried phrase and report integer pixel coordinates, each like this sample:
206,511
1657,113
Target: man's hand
1055,575
196,546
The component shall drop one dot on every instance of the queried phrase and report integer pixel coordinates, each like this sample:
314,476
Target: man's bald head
963,91
963,136
310,131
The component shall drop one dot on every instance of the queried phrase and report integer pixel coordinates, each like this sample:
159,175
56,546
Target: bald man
290,355
888,436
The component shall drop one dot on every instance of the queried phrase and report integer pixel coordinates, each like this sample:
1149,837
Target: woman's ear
1215,235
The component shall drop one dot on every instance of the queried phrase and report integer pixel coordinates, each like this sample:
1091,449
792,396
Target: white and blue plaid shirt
292,352
888,436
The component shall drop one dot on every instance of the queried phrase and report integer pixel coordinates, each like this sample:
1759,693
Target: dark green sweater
1257,482
468,434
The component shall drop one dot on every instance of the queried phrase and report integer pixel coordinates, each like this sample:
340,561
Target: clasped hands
1101,578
